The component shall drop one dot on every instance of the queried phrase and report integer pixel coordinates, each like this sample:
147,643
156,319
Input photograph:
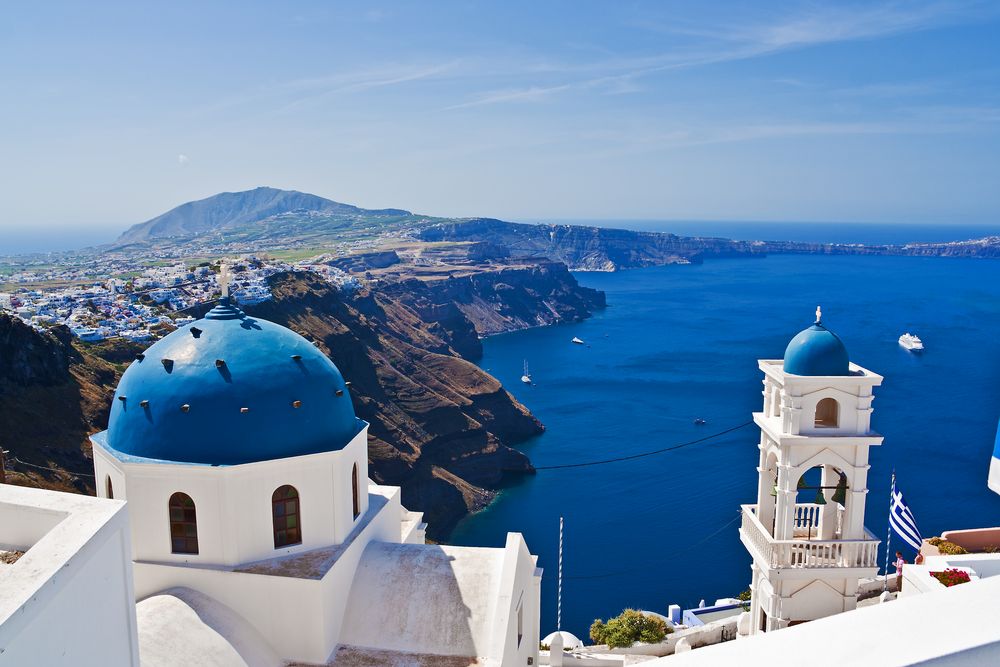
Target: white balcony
806,553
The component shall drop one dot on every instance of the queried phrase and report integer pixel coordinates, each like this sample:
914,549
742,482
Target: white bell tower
808,556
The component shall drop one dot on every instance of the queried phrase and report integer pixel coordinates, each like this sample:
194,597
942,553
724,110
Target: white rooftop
954,626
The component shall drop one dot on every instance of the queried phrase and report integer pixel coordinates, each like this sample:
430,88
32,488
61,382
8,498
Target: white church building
809,556
253,534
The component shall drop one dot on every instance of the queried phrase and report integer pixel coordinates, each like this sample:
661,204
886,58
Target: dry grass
10,557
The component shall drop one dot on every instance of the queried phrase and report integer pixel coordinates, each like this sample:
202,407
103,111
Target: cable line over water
644,454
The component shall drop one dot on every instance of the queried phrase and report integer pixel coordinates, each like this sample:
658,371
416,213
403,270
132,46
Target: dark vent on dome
195,331
219,363
339,392
168,364
140,356
144,403
297,357
121,398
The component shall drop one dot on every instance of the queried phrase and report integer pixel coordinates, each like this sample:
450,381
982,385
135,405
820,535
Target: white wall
69,599
520,587
21,526
296,604
233,503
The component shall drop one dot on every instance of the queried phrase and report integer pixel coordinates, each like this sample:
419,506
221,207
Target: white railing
806,520
806,553
806,517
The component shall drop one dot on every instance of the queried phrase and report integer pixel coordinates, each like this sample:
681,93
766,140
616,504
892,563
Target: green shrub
950,548
629,627
934,541
744,597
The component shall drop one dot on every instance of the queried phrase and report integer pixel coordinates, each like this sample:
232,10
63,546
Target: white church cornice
771,426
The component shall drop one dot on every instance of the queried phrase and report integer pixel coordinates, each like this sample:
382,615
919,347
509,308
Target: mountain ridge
228,210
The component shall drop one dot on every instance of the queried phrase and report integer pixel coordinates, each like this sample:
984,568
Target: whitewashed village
235,524
151,302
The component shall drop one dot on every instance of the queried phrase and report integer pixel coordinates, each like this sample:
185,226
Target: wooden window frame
286,516
183,515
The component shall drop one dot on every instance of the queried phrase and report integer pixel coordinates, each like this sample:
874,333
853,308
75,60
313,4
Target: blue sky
874,111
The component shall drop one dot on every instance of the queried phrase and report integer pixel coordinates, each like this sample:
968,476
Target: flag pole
559,590
888,535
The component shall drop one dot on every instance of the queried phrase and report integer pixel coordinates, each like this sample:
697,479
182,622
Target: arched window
183,524
109,490
285,513
827,413
354,491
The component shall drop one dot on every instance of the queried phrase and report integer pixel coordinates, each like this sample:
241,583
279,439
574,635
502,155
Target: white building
256,535
66,598
808,557
798,577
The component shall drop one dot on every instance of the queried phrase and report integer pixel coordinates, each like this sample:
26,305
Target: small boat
911,342
526,378
577,341
699,421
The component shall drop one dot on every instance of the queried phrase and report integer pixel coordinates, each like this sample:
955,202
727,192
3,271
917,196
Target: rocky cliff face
590,248
599,249
504,299
52,396
439,425
441,428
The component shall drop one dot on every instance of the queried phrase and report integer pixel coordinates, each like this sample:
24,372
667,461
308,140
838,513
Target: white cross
819,314
224,278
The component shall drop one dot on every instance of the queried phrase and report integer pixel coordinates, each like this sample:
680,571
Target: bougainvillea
951,577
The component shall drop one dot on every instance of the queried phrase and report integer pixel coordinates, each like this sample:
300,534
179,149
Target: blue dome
230,389
816,351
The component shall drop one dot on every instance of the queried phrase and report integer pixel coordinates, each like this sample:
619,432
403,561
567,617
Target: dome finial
819,315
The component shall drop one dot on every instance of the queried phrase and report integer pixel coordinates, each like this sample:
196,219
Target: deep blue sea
681,342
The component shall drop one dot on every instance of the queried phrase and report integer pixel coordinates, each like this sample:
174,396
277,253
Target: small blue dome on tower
230,389
816,351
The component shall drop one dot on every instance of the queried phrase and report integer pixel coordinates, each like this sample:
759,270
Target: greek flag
901,519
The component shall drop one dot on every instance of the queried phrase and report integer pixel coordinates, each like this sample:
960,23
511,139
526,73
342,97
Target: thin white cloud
182,159
291,94
729,42
526,94
319,89
941,121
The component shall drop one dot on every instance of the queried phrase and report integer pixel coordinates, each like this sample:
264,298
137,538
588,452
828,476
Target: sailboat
526,378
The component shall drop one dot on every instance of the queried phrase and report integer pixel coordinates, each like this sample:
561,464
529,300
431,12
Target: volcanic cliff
441,428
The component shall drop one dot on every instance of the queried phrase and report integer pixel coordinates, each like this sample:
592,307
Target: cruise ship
911,342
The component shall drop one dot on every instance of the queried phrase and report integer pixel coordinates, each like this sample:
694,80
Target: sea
680,343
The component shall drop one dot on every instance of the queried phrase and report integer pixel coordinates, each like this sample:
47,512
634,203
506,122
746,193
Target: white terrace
814,545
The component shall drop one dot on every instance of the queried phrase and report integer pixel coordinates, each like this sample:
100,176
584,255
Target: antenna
559,589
